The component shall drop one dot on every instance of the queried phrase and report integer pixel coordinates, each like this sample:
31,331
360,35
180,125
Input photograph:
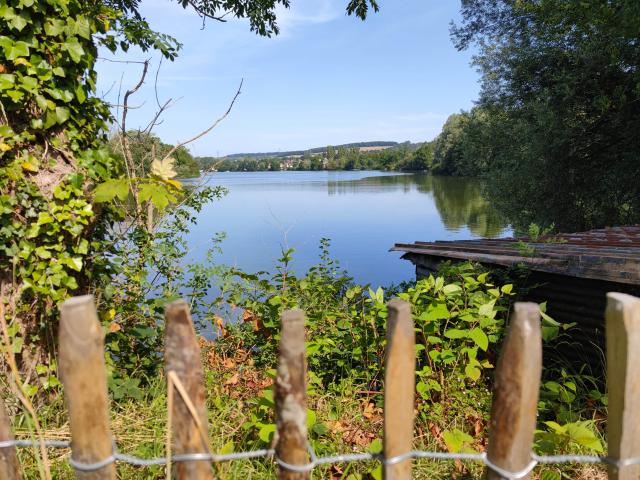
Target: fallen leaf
233,380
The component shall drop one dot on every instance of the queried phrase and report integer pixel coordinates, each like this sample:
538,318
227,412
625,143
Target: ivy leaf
80,94
480,338
7,81
18,49
62,114
82,27
74,263
456,439
54,27
75,50
19,22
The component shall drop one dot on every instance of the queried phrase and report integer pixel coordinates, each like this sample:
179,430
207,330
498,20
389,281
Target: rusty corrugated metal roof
611,254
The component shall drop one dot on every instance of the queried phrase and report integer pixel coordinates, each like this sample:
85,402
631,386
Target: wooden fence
513,416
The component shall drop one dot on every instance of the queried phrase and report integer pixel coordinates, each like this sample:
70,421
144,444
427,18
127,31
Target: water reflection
459,201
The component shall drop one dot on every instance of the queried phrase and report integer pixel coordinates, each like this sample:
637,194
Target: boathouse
571,272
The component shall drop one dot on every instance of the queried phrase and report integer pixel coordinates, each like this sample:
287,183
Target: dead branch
214,125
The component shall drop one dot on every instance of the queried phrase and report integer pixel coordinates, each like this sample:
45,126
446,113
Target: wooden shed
571,272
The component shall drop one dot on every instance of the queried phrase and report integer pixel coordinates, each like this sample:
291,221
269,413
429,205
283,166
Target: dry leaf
163,168
219,322
233,380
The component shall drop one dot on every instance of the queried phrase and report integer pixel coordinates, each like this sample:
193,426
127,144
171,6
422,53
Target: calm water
363,213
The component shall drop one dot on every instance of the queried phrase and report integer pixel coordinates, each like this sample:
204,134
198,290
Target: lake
363,213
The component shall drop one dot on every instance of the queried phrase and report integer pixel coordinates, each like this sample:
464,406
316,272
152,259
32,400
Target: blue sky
327,79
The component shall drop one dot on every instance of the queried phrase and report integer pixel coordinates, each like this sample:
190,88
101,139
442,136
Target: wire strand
327,460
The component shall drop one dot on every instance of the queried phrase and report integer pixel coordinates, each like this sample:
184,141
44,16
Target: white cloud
312,12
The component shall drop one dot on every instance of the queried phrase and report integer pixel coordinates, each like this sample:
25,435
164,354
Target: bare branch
141,62
214,125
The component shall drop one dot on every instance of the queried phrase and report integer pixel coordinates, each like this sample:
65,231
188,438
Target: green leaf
456,439
550,475
107,191
480,338
75,50
7,80
438,311
62,115
580,433
53,27
451,289
15,95
226,448
74,263
266,432
473,372
375,446
82,27
17,50
19,22
486,309
157,193
311,418
80,94
455,333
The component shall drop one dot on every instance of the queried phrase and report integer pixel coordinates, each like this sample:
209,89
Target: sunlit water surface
363,213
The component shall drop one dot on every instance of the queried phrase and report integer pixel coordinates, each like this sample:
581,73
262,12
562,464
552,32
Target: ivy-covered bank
54,239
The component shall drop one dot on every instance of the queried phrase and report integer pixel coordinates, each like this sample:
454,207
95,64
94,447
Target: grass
351,422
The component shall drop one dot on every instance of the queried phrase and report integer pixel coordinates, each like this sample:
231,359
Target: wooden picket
399,388
513,416
9,467
290,395
515,393
623,382
185,379
84,377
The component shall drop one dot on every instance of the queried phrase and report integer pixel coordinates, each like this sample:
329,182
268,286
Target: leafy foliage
560,86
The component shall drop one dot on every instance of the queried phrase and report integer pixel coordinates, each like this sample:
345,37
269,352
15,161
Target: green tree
145,147
562,80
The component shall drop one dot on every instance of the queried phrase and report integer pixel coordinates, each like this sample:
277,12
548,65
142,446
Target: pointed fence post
84,376
188,415
291,397
515,397
623,382
9,466
399,387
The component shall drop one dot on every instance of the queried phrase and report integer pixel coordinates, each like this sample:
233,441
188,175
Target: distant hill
292,153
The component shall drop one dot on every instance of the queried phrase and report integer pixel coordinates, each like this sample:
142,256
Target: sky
327,79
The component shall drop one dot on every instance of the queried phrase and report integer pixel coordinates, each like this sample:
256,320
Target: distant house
572,272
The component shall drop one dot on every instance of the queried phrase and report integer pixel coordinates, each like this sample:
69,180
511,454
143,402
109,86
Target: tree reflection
459,200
